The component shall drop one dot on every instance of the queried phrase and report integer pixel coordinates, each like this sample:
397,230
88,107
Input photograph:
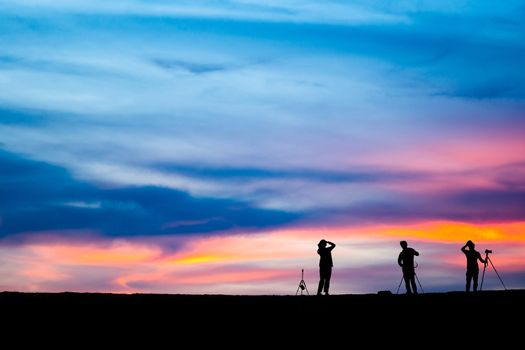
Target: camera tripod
302,284
489,260
417,279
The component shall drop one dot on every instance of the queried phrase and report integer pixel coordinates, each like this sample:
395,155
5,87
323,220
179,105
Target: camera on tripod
487,261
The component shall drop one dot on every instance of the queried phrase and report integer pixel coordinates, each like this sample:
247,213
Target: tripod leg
398,287
494,267
420,286
483,275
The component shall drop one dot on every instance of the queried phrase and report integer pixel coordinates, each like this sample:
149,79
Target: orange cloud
459,232
116,253
41,272
234,276
198,259
237,248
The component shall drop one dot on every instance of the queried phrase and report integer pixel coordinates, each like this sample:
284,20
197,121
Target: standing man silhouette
472,264
406,261
325,265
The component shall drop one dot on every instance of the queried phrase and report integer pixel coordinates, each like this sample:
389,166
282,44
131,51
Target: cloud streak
281,11
41,197
191,67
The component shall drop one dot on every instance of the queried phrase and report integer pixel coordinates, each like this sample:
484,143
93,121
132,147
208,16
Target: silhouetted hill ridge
481,316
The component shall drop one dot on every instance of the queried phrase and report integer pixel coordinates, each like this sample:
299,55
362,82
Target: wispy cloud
278,11
469,206
191,67
317,175
60,66
41,197
490,90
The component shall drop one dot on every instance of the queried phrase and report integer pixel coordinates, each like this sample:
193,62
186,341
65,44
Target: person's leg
413,282
321,281
469,277
407,283
320,287
328,275
475,278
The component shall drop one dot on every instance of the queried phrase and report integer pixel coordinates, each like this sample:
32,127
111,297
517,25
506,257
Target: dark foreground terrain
485,318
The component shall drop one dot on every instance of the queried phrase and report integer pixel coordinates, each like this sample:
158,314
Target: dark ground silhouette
269,321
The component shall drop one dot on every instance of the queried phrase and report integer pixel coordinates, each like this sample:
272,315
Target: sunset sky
201,146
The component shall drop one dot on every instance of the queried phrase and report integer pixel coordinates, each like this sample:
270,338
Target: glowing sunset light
448,154
503,260
269,260
43,273
461,232
239,248
235,277
201,259
115,254
125,282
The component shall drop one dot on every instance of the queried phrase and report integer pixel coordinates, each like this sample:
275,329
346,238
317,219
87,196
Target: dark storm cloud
36,196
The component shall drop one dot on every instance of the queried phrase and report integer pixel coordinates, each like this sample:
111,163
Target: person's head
322,243
403,244
470,244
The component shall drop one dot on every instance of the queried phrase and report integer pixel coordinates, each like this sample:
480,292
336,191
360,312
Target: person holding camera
406,261
472,264
325,265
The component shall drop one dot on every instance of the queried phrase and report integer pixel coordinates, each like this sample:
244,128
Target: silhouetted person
472,264
325,265
406,261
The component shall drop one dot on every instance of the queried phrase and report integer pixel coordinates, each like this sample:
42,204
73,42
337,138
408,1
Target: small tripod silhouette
489,260
302,284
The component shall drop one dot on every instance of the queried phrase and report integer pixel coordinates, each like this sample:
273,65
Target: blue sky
155,118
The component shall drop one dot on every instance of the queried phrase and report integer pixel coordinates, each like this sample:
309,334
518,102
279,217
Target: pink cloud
263,263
